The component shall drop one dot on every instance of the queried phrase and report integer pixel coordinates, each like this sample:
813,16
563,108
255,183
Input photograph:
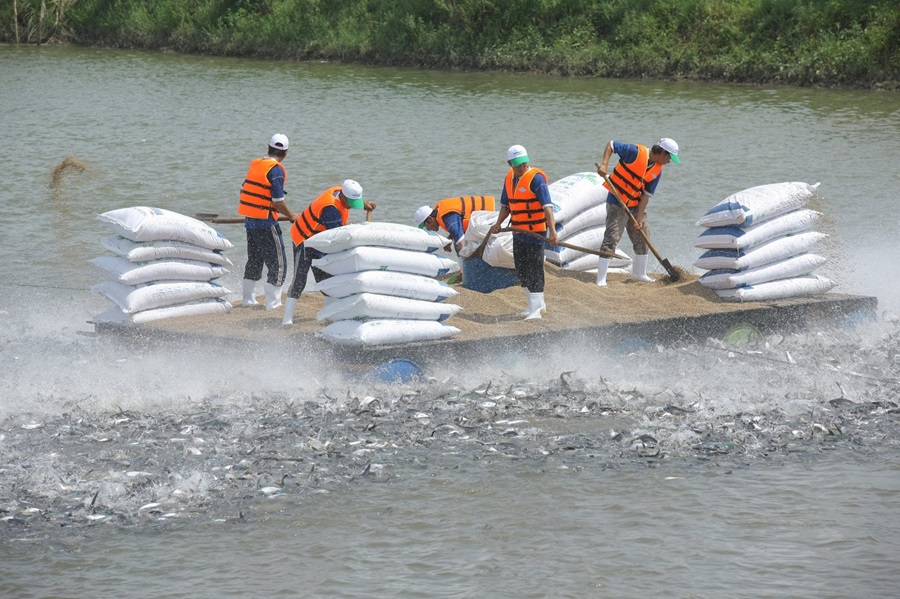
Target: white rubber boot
289,305
249,298
273,296
639,268
535,305
602,267
527,310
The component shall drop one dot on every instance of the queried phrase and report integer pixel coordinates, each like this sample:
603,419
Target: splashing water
94,430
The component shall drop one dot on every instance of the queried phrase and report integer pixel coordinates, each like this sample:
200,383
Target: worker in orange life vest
261,203
635,177
328,211
452,215
526,200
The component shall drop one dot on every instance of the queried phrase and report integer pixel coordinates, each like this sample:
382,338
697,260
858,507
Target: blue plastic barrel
398,370
480,276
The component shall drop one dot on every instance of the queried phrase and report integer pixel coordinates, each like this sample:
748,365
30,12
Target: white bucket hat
516,155
279,141
422,213
353,192
671,147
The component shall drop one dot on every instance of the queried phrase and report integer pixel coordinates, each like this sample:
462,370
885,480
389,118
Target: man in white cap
261,203
635,178
328,211
526,200
452,215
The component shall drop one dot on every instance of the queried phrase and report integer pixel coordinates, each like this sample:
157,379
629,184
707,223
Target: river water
694,470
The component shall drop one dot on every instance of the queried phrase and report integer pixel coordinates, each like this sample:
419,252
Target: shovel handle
564,244
210,217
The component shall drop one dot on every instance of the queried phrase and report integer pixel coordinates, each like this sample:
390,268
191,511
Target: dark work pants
302,262
266,247
529,259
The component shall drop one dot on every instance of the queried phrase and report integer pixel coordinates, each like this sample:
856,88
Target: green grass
852,43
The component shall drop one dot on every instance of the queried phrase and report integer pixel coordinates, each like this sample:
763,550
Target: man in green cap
328,211
635,179
525,199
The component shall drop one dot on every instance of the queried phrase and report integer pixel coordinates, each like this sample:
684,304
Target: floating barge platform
580,314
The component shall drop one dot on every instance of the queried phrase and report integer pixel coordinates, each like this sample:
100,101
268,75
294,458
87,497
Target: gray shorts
617,220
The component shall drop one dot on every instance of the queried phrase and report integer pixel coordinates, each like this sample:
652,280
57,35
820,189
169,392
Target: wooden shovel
227,220
571,246
220,220
674,275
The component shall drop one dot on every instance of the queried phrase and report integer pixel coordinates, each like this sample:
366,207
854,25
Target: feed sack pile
164,265
758,244
579,209
384,289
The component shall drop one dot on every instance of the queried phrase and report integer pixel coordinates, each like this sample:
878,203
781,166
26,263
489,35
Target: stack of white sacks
164,265
384,288
579,209
758,244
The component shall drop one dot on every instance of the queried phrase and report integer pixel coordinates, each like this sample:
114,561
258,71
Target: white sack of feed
114,315
592,217
591,262
142,223
765,253
135,273
499,251
376,234
591,239
794,266
385,332
480,222
399,284
757,204
385,259
371,306
782,289
573,194
135,298
144,251
795,221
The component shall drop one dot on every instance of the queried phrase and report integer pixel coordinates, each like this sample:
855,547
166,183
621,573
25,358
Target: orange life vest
630,179
310,220
525,209
464,206
256,192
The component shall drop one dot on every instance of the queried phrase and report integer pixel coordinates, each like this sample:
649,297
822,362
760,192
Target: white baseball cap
353,192
671,147
279,141
516,155
422,213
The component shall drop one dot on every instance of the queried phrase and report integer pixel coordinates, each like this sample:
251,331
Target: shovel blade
674,275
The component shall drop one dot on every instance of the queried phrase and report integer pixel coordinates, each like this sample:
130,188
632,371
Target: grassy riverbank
852,43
